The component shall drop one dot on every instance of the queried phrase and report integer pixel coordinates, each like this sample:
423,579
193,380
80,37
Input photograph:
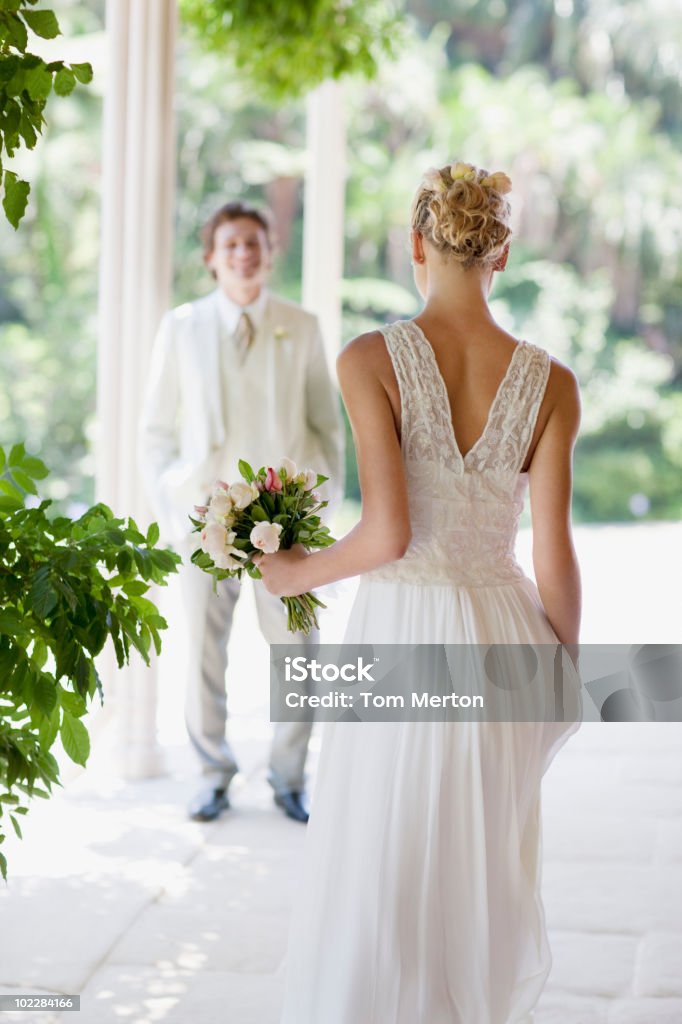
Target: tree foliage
66,588
26,82
285,49
553,91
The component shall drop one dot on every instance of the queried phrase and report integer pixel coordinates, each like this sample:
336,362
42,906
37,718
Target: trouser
210,624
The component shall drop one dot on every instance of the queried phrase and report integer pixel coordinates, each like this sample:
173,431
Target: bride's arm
383,533
551,483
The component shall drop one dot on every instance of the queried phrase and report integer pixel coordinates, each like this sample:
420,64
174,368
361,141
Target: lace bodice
464,510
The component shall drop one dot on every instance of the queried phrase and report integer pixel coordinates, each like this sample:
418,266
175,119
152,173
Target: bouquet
261,513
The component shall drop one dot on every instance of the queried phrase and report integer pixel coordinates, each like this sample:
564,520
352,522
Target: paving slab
624,899
659,964
603,839
144,995
669,846
593,965
645,1011
559,1008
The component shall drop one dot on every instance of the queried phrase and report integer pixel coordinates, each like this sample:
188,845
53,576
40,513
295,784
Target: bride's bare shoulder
368,345
366,353
563,395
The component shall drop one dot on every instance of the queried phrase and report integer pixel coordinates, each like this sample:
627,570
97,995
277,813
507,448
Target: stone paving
116,896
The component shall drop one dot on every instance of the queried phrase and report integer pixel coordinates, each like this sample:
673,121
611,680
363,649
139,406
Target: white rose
242,495
220,506
227,560
214,539
265,537
217,542
310,479
289,468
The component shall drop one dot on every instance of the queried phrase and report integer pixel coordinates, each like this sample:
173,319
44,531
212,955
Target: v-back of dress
464,511
419,900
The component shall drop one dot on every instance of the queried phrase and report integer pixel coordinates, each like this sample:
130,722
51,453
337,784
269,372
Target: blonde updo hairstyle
461,210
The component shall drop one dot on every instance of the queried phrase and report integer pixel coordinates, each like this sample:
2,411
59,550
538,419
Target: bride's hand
281,572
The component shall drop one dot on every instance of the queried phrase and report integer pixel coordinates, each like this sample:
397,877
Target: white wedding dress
419,898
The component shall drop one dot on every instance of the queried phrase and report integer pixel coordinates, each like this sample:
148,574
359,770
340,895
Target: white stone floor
116,896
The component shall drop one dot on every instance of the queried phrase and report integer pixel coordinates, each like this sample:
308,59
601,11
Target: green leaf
15,198
45,694
73,702
9,66
24,481
75,739
83,72
166,560
8,487
15,824
246,471
43,23
64,82
35,467
49,728
156,621
82,674
135,588
11,624
10,505
124,561
39,653
38,82
16,32
17,451
153,534
27,131
42,596
3,459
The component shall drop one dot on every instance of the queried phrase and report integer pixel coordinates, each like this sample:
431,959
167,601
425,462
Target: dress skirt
419,899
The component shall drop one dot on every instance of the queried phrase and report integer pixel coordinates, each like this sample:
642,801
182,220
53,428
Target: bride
420,895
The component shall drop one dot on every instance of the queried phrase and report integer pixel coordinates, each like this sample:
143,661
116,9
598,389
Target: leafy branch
283,50
26,81
66,587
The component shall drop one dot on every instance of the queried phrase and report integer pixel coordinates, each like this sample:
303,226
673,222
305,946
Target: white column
324,203
135,288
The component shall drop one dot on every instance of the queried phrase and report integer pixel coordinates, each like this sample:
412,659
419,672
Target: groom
239,374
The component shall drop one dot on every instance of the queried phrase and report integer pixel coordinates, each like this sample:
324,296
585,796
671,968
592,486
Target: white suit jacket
203,411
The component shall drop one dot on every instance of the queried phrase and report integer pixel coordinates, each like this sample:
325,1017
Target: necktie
243,336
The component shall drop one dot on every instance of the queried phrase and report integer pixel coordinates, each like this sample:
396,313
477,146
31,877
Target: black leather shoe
292,805
209,809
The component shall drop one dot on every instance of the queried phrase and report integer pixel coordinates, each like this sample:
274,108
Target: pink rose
273,482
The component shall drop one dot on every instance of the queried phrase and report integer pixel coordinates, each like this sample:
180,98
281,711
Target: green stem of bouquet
301,612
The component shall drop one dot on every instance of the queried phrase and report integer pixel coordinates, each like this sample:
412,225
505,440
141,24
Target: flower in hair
433,180
498,181
462,171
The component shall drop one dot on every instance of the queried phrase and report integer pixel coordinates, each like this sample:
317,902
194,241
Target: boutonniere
281,333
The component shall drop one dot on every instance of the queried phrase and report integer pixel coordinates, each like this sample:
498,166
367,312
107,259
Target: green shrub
66,587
